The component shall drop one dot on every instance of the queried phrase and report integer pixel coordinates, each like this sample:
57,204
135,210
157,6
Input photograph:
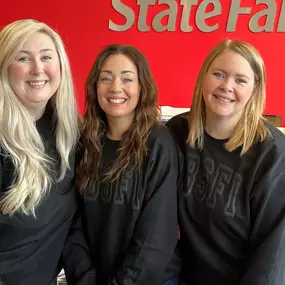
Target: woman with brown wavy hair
127,173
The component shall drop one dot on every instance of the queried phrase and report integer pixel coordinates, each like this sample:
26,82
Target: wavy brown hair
133,146
250,128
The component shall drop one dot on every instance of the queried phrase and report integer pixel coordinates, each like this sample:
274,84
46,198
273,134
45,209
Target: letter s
124,10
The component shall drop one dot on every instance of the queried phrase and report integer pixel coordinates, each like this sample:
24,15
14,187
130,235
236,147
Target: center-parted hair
250,128
133,146
19,137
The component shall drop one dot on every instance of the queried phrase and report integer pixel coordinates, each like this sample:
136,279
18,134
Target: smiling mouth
37,83
117,101
226,100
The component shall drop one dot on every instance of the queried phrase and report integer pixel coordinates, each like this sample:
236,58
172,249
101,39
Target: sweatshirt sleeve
155,237
75,257
266,265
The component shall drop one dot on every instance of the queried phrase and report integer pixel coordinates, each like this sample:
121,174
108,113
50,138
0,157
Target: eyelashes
238,80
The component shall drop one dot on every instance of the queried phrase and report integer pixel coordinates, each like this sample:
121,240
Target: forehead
233,63
119,62
38,41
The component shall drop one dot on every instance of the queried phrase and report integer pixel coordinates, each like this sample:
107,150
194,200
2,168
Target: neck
220,127
37,113
117,127
37,110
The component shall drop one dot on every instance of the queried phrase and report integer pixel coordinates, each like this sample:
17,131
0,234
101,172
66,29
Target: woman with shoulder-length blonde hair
231,200
127,174
38,134
250,127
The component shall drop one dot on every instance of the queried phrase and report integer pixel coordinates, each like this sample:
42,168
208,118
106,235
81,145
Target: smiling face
227,86
118,87
35,75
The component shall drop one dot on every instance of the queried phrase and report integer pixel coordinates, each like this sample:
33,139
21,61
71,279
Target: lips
224,99
37,83
116,100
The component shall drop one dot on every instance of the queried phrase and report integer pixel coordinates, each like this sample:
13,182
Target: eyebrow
239,75
42,50
122,72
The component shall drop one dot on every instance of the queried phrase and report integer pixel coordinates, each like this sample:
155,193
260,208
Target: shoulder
269,174
278,138
160,136
161,146
179,121
269,155
179,129
162,153
274,144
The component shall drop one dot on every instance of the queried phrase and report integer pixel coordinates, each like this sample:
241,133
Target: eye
218,75
24,59
105,79
240,81
127,80
46,57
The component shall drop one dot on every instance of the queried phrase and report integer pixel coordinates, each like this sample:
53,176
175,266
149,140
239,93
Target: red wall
175,57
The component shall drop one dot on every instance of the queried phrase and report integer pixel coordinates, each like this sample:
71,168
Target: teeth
117,100
39,83
224,99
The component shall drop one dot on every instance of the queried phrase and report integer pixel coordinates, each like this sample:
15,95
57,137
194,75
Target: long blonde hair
250,128
133,146
19,137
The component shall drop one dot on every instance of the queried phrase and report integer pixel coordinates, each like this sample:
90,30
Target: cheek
100,96
101,90
245,95
53,71
134,99
17,71
206,92
137,96
209,86
135,92
17,74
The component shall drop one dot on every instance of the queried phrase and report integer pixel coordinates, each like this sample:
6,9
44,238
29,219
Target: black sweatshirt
30,248
231,210
131,224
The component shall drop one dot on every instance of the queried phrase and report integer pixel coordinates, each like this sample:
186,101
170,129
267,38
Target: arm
76,261
266,265
156,233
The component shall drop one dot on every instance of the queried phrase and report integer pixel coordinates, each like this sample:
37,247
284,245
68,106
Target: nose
227,85
37,67
116,87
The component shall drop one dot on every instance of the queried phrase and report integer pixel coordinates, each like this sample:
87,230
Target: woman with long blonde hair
38,133
127,174
231,197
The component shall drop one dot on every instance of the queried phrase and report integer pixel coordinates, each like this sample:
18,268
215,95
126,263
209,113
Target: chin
41,97
222,114
118,115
